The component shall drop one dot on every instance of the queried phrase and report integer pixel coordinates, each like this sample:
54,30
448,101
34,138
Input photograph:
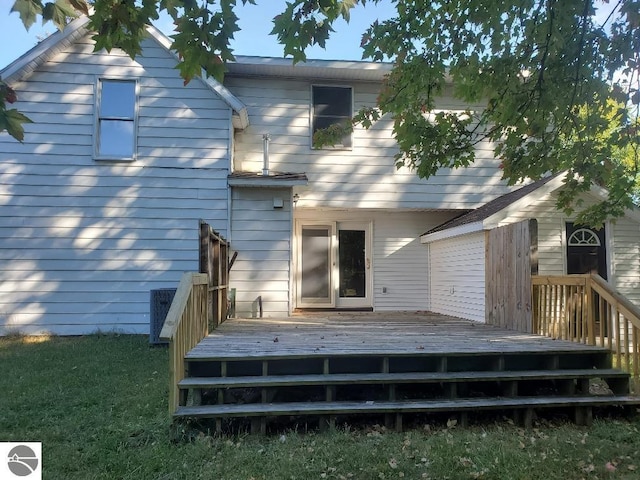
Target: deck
367,333
324,366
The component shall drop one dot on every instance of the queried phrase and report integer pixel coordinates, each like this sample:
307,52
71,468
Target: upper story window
331,105
116,123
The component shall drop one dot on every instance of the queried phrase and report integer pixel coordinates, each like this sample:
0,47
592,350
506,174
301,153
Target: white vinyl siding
626,255
551,225
623,245
363,177
82,242
457,272
261,234
400,262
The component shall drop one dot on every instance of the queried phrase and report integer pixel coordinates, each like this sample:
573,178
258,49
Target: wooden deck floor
359,333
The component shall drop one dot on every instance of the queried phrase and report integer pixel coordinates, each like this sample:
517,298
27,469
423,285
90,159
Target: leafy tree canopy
551,88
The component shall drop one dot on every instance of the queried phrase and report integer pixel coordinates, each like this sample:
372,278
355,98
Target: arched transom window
583,237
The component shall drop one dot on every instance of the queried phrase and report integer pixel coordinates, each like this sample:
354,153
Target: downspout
265,154
231,156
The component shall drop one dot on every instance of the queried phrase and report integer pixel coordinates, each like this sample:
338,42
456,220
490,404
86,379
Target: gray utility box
159,305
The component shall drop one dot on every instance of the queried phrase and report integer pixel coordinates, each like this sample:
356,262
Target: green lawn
98,404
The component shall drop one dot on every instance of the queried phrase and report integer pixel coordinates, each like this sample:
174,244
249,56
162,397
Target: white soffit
311,69
452,232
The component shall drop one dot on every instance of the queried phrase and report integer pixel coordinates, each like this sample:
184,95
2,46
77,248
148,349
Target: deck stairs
256,391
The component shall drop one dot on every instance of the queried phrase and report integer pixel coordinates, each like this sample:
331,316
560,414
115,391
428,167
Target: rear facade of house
349,238
100,204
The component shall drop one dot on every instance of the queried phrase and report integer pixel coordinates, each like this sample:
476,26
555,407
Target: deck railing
185,326
586,309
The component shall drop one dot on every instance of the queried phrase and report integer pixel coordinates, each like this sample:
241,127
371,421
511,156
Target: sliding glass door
334,265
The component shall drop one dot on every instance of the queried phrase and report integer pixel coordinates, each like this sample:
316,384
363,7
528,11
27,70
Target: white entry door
334,265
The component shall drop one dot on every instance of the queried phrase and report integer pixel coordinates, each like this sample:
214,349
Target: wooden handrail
559,279
622,303
185,326
586,309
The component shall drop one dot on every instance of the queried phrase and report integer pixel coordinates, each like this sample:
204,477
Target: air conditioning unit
159,305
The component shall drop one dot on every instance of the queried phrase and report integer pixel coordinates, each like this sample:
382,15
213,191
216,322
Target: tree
549,78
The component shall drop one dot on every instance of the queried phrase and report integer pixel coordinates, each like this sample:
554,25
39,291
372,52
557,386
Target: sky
253,39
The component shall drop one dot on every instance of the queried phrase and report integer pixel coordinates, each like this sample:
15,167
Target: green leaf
11,121
28,11
79,5
59,13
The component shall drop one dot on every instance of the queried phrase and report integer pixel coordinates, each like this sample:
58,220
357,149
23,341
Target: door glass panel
316,263
352,263
586,251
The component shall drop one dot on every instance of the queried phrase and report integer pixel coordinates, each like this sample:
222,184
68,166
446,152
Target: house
561,247
100,204
349,237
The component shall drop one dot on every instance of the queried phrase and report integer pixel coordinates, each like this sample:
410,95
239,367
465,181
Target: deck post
527,420
327,422
524,417
583,416
196,396
398,422
259,425
464,419
510,388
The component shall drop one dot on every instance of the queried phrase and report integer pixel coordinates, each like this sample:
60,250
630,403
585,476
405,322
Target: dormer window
332,105
116,122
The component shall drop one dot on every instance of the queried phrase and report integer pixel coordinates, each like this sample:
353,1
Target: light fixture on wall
296,197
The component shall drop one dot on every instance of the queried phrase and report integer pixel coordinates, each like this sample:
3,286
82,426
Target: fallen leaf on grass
588,468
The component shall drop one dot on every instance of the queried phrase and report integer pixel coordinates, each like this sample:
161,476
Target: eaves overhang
465,229
317,70
52,45
272,180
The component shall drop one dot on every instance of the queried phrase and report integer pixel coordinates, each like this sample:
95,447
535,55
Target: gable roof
52,45
339,70
493,211
45,50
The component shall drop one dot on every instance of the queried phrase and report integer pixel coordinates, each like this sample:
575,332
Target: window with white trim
331,105
583,237
116,120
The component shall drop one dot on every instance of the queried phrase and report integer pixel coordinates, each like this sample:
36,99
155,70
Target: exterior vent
159,305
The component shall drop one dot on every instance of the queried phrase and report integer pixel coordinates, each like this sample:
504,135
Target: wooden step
395,363
395,378
413,406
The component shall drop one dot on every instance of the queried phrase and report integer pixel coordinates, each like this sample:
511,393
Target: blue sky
254,39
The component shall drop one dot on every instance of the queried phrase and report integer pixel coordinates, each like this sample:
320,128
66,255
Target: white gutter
452,232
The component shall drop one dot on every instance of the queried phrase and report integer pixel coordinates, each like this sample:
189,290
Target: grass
98,404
